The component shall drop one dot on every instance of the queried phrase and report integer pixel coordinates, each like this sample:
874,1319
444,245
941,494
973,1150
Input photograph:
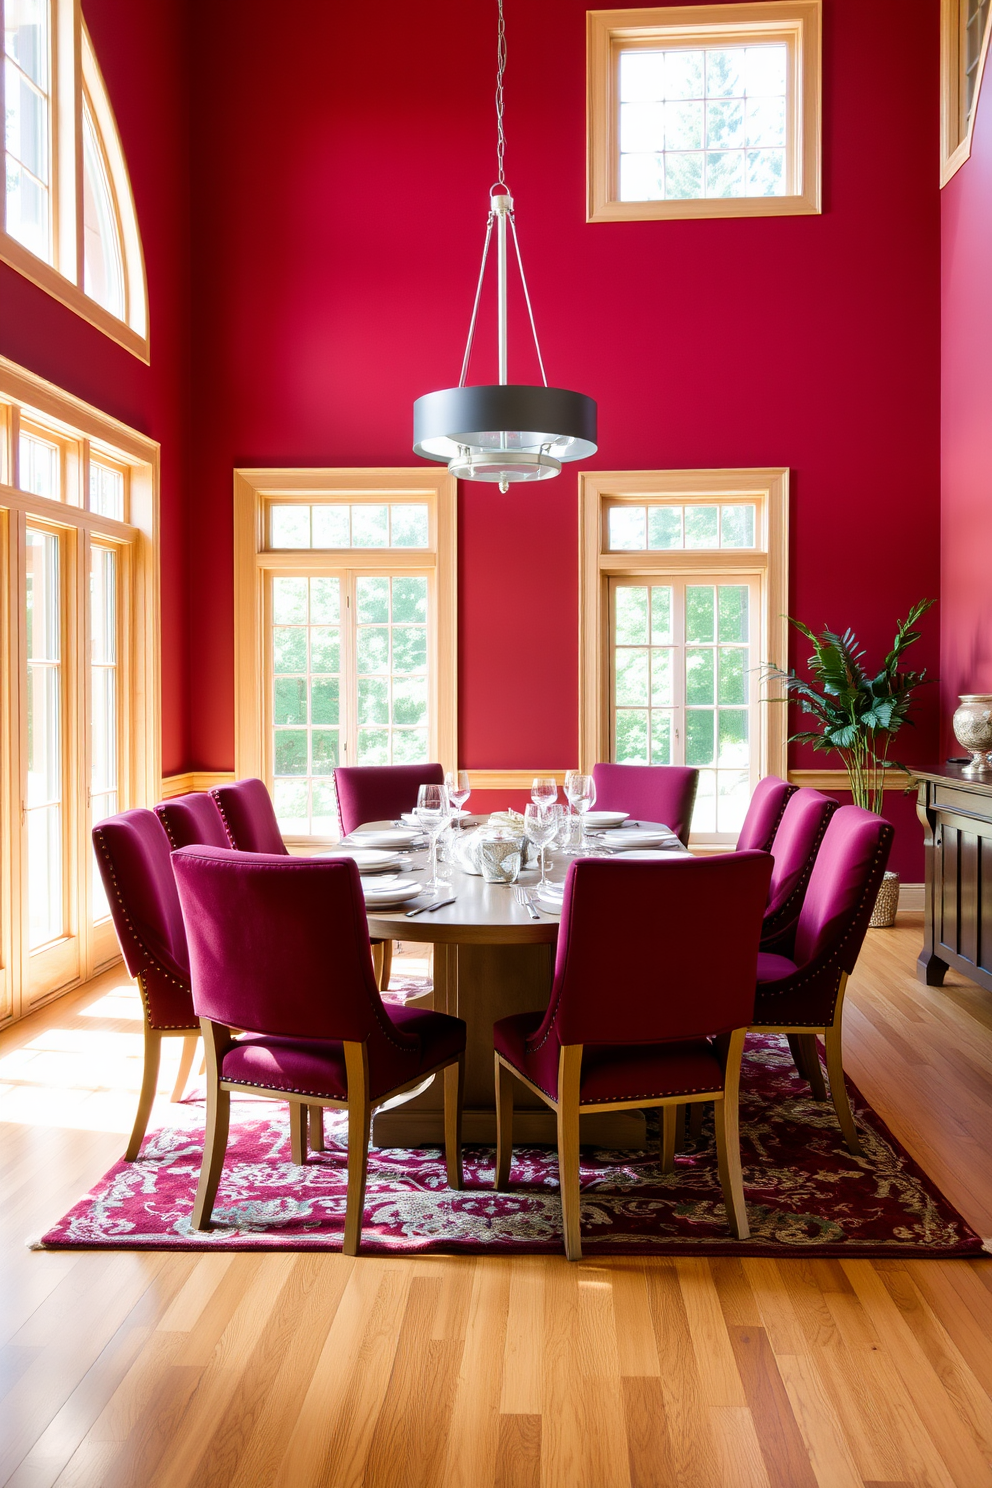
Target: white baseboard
911,897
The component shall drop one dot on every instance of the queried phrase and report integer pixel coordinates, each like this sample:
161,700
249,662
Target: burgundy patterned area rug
805,1194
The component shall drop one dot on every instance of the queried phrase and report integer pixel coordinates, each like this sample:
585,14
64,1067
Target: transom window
683,593
704,111
346,619
68,218
340,525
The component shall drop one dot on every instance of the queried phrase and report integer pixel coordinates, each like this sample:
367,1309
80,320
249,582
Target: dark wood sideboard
956,812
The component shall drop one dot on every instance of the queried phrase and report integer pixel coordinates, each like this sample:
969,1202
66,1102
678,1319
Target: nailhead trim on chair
825,965
212,793
784,915
152,962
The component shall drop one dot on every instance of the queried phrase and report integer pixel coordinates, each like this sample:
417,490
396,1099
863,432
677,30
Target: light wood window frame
797,23
28,979
255,492
75,72
599,491
957,121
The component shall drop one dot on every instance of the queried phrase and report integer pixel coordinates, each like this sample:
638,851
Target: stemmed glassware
459,788
433,812
541,826
581,792
544,790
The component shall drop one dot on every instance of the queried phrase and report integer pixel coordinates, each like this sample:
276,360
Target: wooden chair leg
814,1070
728,1147
214,1148
377,960
838,1089
146,1096
316,1114
569,1076
387,965
359,1124
694,1125
504,1125
669,1135
454,1093
298,1132
185,1065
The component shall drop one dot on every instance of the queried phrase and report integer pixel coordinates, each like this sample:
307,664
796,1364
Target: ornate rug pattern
805,1194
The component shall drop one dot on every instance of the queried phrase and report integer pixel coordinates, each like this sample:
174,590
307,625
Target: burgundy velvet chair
764,813
367,793
279,945
249,817
794,849
132,852
803,995
659,793
616,1037
193,821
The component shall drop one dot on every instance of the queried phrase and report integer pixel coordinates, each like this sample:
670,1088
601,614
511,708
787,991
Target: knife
429,908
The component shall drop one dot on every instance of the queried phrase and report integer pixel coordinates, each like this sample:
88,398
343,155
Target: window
69,222
704,111
79,725
964,45
683,594
345,628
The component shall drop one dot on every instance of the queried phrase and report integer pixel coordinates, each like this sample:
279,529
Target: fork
522,897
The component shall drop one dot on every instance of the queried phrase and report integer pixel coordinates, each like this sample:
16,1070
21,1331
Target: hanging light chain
500,69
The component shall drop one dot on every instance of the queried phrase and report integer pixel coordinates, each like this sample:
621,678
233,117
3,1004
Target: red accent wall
966,454
339,199
143,53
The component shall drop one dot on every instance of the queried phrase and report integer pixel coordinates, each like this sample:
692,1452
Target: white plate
631,838
553,903
384,837
606,818
397,893
412,821
368,859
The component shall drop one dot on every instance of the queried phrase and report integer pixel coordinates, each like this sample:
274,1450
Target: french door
683,649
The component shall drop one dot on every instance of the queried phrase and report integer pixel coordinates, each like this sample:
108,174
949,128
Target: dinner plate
384,837
553,903
624,841
368,859
655,854
397,893
606,818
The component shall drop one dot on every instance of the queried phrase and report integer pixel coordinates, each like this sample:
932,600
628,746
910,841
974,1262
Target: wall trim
825,780
193,780
834,780
911,898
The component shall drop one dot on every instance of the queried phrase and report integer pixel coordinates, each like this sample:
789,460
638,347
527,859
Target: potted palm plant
857,715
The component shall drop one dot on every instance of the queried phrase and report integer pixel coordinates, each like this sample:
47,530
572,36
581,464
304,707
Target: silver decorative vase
972,724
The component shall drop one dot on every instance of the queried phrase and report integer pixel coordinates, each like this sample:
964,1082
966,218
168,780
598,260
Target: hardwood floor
244,1371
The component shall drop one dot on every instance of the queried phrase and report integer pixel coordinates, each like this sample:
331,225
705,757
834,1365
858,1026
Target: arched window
69,222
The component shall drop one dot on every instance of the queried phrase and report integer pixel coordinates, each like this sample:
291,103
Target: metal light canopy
507,432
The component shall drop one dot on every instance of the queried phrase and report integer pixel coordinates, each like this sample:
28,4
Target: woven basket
884,914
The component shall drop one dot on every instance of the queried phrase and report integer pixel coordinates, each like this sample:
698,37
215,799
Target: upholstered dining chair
193,821
794,849
132,853
279,945
368,793
802,995
615,1036
249,816
764,813
660,793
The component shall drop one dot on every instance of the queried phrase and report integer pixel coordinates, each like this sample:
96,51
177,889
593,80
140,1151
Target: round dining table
491,959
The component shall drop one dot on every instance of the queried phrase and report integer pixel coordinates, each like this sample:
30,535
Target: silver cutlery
522,897
430,908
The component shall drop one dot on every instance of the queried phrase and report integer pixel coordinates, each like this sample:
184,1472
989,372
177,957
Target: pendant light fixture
511,431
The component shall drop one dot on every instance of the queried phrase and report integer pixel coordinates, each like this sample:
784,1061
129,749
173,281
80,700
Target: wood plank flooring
245,1371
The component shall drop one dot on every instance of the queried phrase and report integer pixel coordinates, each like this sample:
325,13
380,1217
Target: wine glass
433,812
544,790
540,826
581,792
459,788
